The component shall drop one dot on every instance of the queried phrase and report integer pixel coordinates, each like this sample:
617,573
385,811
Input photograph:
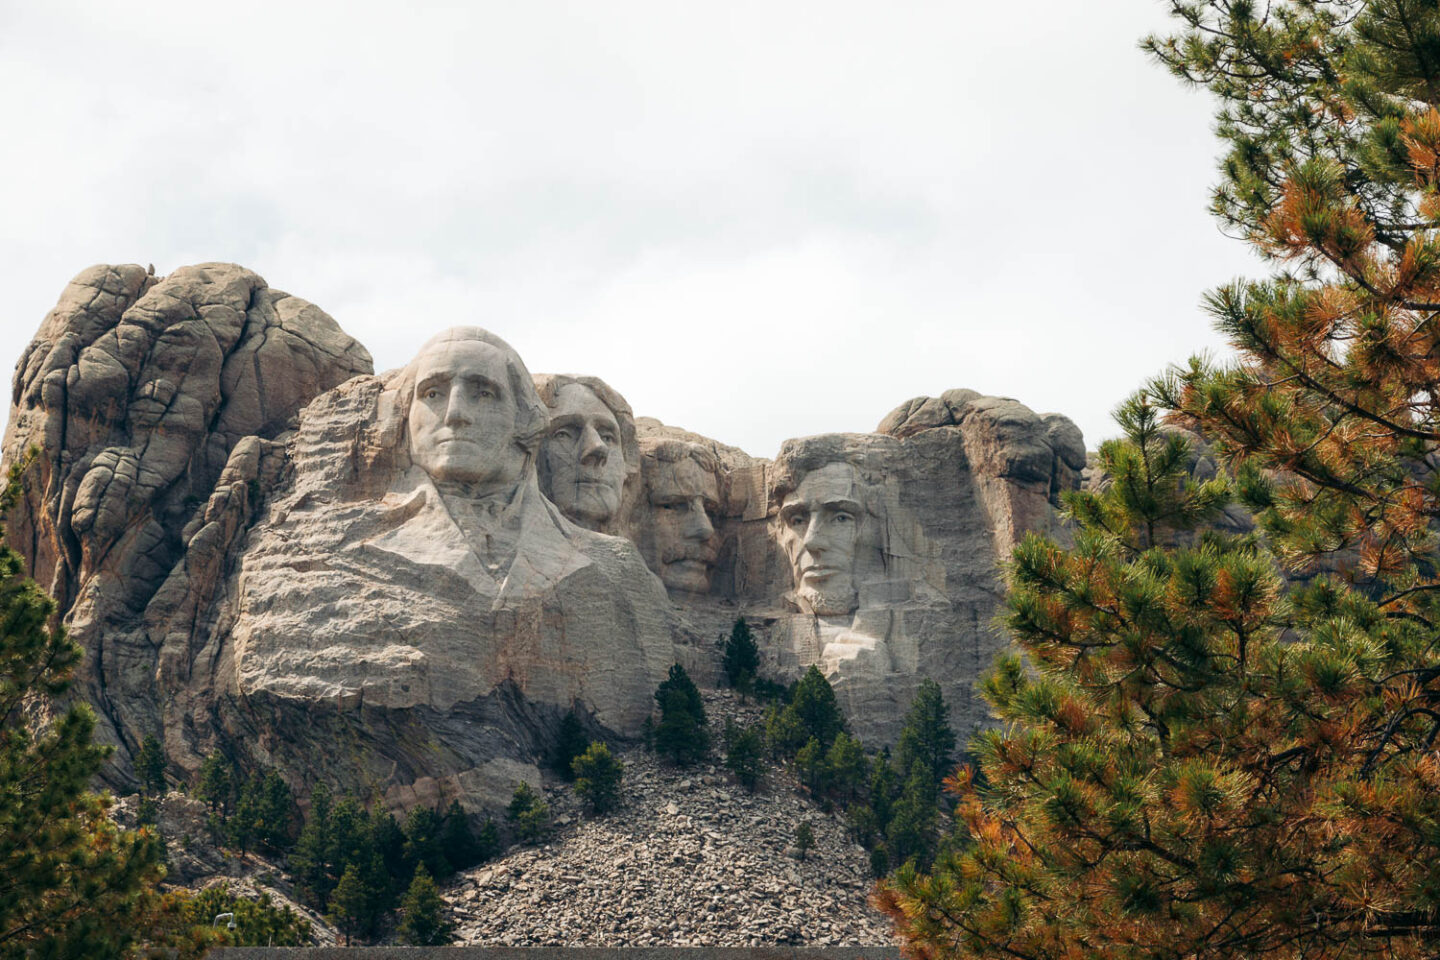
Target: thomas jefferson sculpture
589,451
681,497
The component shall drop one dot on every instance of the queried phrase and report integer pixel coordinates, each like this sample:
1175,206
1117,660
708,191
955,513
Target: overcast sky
755,220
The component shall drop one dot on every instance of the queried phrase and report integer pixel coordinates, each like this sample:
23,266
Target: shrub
528,814
597,778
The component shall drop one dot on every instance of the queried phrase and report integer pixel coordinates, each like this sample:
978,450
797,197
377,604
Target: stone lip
559,953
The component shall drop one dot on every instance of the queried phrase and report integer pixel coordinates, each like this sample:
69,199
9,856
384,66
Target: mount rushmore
400,583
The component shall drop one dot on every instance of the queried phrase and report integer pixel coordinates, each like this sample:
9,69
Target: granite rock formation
148,397
399,584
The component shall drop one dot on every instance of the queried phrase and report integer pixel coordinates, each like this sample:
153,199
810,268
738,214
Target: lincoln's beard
830,601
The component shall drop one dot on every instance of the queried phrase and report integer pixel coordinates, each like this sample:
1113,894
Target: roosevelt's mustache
702,551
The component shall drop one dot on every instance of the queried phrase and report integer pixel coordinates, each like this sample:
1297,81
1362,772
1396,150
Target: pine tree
926,742
217,784
912,836
242,828
1183,770
742,656
815,706
350,903
150,766
71,883
422,913
461,847
569,744
681,735
812,713
424,842
186,918
487,841
804,838
743,754
846,768
597,778
529,814
387,839
810,765
310,862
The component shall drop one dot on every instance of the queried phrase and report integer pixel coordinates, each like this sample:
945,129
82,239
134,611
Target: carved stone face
683,495
462,419
820,524
585,457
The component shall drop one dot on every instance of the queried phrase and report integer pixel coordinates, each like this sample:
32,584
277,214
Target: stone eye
431,393
843,518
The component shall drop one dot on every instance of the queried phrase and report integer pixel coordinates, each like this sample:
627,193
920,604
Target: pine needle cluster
1223,746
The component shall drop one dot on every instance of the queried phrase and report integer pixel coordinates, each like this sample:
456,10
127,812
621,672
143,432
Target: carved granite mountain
399,584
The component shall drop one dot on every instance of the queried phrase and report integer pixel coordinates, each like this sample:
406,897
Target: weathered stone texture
136,390
399,584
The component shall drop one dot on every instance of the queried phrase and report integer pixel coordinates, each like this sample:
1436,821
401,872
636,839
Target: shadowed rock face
399,584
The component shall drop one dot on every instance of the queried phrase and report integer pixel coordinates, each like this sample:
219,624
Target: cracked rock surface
138,389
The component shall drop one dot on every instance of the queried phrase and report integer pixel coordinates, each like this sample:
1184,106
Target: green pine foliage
71,883
528,814
744,754
463,849
350,902
570,742
422,912
259,922
1195,761
810,766
927,743
682,735
812,713
264,815
597,778
804,838
742,656
217,783
487,841
150,767
846,768
341,837
310,862
424,842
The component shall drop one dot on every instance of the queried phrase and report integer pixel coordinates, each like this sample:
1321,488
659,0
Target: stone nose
458,410
814,539
697,522
593,451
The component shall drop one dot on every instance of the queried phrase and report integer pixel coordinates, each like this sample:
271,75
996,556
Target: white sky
755,220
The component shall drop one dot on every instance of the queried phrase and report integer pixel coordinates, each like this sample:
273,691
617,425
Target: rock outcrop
399,584
147,398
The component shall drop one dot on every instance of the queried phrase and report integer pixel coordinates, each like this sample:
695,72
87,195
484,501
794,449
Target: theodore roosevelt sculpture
682,494
589,450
